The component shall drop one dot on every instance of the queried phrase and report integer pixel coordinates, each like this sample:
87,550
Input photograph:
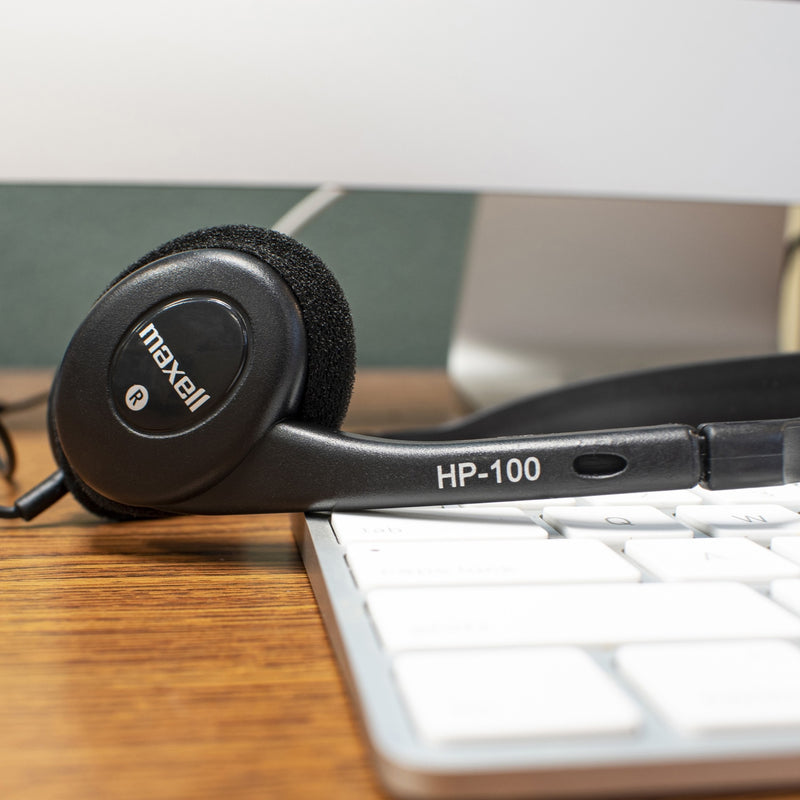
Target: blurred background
537,191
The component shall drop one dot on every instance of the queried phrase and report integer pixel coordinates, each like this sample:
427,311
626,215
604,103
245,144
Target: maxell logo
184,387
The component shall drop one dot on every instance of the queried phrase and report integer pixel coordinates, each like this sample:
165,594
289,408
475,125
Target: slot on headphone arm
752,453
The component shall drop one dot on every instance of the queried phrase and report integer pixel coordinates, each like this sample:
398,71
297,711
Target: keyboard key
485,512
589,614
383,526
614,525
503,694
489,512
786,591
535,504
757,522
787,546
666,499
507,561
710,559
718,687
787,495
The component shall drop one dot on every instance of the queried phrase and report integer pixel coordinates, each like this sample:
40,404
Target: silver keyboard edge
656,762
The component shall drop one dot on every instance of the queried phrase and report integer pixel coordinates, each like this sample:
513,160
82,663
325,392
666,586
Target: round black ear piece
188,357
326,315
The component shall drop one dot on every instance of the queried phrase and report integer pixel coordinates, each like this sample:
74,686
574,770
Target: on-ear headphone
211,377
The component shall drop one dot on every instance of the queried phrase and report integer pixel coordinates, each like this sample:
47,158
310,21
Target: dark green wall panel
398,255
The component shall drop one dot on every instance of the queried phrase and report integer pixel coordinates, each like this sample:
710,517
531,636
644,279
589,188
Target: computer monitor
582,124
667,99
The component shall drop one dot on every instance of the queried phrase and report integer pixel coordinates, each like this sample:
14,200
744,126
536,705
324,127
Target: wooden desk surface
180,658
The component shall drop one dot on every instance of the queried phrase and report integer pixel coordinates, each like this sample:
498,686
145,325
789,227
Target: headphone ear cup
324,331
330,339
92,501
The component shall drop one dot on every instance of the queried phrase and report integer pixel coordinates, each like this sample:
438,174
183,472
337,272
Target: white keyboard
620,645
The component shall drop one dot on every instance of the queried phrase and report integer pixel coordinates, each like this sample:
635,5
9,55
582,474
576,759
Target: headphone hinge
753,453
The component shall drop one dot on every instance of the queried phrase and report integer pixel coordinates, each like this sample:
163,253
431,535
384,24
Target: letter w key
759,522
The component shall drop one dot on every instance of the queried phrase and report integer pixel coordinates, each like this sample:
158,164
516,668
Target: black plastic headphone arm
298,467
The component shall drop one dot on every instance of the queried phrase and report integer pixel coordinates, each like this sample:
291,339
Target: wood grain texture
180,659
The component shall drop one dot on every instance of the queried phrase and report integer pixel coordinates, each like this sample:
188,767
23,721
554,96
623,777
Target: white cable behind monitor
302,212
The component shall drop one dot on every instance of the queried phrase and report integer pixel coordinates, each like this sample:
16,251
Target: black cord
25,403
789,249
9,512
8,456
32,503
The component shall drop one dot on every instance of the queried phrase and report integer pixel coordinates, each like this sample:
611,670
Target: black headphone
212,375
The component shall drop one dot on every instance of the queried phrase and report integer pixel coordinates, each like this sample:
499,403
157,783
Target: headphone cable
8,455
41,497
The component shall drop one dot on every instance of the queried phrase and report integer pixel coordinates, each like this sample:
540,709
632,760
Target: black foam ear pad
330,340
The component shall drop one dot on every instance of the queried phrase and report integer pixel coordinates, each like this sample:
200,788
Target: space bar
591,615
